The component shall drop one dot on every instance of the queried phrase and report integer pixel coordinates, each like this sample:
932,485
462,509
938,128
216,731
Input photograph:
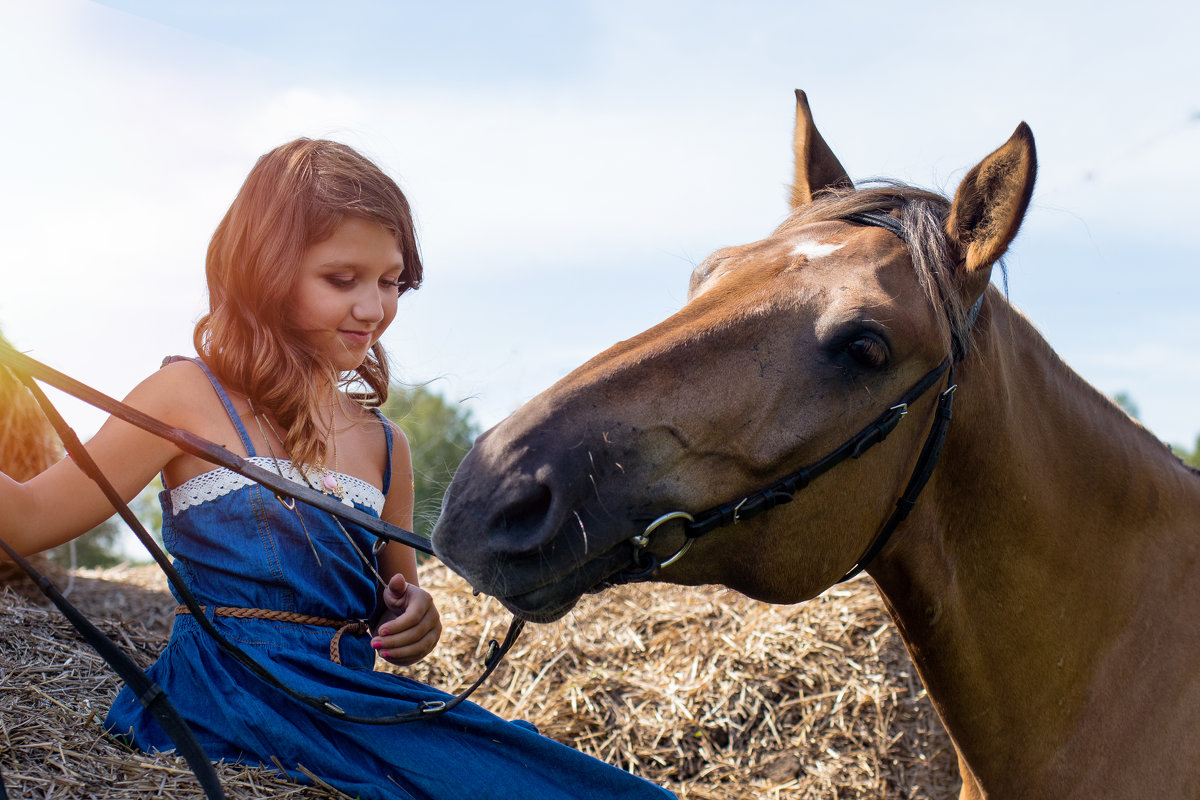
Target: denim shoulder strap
387,434
225,401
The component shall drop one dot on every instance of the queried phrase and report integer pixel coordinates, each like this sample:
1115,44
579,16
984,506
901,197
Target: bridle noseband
784,490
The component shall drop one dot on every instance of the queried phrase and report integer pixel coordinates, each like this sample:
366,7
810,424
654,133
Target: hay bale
711,694
28,445
704,691
55,691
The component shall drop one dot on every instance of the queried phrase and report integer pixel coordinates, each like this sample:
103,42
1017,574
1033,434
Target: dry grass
55,691
701,690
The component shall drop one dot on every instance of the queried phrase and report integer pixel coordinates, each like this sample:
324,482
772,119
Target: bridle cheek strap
926,462
783,491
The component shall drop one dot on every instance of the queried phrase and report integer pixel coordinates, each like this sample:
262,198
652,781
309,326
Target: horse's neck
1057,542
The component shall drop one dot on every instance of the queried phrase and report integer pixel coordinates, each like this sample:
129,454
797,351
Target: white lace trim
220,482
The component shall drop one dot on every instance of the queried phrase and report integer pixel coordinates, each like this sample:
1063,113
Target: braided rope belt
352,627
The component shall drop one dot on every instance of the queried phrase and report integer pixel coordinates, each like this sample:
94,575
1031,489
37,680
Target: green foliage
439,433
1192,458
97,548
1125,401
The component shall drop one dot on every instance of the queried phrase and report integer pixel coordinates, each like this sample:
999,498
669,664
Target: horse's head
786,348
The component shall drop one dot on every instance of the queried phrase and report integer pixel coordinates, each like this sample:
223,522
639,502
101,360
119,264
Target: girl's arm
410,626
62,502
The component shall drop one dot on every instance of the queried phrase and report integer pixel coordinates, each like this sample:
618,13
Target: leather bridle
783,490
645,564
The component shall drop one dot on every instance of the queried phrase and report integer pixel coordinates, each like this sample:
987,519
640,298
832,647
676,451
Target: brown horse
1047,579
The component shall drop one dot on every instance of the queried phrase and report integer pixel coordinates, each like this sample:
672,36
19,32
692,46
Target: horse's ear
989,206
817,168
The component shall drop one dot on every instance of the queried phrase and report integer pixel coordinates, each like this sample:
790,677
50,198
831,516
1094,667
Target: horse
1042,562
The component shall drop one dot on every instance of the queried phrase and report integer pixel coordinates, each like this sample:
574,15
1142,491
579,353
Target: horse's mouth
540,605
547,594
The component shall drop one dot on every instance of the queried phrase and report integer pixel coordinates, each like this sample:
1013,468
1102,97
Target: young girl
304,273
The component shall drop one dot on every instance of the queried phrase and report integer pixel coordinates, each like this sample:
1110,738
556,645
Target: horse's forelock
922,214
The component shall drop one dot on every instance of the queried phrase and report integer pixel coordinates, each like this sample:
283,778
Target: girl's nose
368,307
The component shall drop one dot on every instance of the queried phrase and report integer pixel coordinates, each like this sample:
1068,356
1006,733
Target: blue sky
569,161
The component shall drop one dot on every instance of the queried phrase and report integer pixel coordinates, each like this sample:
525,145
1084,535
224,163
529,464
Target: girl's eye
339,281
869,350
399,284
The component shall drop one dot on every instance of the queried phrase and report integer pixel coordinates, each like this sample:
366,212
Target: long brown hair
294,197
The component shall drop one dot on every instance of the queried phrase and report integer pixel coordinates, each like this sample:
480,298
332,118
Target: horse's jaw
535,552
533,592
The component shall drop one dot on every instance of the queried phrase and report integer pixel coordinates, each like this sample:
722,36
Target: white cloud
661,143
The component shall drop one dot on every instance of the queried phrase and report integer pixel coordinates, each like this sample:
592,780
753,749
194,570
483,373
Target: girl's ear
817,168
988,209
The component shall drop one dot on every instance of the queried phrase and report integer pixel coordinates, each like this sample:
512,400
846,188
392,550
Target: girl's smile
346,291
362,338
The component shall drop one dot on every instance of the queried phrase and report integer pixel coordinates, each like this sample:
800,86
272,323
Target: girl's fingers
413,642
396,592
414,606
412,653
400,632
415,630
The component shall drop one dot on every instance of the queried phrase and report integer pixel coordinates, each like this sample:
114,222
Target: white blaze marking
813,249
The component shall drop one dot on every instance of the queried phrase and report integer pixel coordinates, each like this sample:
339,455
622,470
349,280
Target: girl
304,273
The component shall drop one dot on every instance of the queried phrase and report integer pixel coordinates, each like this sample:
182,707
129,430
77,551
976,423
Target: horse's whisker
582,529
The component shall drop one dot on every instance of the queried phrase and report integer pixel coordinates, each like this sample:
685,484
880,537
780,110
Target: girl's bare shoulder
401,452
179,393
398,436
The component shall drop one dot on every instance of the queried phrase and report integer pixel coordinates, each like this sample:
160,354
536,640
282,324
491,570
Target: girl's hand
410,627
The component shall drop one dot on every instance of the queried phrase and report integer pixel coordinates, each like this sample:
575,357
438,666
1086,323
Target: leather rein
784,489
152,697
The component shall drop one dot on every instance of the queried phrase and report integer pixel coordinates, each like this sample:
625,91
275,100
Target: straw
701,690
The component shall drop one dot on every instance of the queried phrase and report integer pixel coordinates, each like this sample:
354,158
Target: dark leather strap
215,454
323,705
784,489
926,462
211,452
149,693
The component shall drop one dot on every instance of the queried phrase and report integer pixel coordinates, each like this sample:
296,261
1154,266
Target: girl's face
346,291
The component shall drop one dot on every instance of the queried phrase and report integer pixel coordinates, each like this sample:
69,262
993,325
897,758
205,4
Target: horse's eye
869,350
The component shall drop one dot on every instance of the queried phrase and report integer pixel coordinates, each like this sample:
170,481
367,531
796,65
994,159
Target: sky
569,163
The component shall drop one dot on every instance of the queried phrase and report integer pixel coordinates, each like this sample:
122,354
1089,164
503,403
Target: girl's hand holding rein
410,627
314,300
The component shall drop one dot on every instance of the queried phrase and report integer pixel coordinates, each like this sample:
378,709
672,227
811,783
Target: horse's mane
922,215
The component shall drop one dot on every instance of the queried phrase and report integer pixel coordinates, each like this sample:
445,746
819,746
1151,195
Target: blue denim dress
236,545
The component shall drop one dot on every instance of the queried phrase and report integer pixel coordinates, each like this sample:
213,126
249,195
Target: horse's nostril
527,513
